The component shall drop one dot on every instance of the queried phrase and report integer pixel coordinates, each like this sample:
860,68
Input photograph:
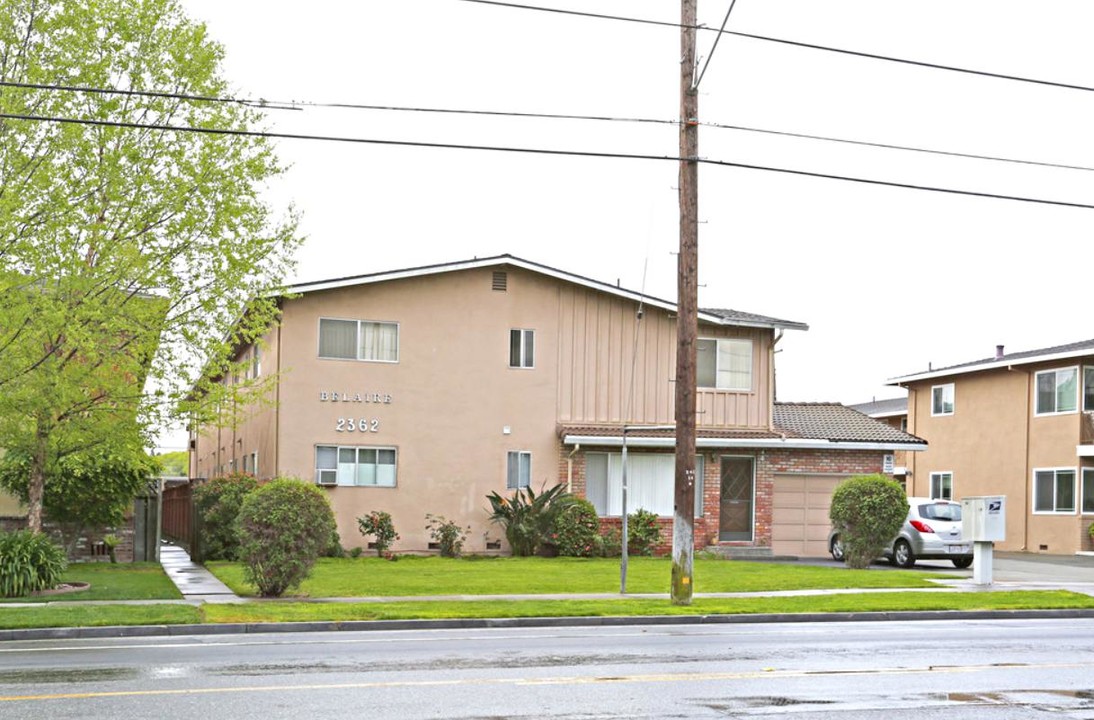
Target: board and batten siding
601,347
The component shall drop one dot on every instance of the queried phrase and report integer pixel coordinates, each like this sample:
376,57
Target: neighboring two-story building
892,412
422,390
1018,424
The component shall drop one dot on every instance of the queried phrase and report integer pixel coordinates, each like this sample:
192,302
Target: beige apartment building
1020,425
424,389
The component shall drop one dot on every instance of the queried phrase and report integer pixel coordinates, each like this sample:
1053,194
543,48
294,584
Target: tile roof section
838,423
1074,349
830,422
736,316
883,408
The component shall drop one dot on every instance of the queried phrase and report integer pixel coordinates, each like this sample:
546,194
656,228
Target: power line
891,146
794,43
695,85
298,105
533,151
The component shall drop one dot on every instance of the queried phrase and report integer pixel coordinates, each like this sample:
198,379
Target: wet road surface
951,669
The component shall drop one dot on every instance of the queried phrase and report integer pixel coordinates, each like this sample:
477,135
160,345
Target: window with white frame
1088,389
1054,490
355,466
651,483
942,399
725,364
1088,491
942,486
358,340
256,362
522,347
518,469
1057,391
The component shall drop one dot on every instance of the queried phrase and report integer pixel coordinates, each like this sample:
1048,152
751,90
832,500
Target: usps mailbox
983,521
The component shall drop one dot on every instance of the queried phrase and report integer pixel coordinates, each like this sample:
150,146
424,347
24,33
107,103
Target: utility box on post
984,518
983,521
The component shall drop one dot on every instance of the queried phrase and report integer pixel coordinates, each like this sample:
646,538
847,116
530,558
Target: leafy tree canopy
133,261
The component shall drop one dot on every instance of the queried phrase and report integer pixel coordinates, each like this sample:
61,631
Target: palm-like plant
526,517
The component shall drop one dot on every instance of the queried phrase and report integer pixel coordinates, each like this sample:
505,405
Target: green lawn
865,602
124,581
412,575
98,615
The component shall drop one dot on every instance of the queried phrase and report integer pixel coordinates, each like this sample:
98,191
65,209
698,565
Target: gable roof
883,408
837,423
813,426
716,316
1027,357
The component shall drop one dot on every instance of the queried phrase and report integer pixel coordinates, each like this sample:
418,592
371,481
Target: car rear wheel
836,549
902,554
962,562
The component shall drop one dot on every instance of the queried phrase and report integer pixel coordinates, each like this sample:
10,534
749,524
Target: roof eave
1002,364
788,443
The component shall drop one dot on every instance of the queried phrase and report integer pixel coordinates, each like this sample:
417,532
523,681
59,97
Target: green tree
868,511
175,464
86,490
134,261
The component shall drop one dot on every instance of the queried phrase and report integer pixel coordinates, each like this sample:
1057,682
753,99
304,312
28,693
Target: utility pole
687,322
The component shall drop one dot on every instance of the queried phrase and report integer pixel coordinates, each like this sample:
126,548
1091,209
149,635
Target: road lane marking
561,680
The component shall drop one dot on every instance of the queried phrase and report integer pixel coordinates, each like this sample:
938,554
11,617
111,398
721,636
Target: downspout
277,405
914,417
1026,479
570,469
771,385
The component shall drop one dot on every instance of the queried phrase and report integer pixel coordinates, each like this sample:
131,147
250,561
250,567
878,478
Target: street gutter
122,631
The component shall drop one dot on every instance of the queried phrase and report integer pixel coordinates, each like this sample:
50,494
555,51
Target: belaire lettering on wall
331,396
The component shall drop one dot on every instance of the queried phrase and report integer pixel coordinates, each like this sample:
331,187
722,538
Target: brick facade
767,463
90,547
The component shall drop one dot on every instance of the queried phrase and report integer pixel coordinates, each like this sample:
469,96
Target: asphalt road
946,669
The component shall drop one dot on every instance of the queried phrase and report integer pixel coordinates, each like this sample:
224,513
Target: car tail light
921,526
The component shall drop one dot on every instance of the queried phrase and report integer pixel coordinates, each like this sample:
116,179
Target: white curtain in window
379,341
337,338
735,364
651,483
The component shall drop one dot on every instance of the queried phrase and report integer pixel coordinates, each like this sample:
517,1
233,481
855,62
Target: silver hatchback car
932,531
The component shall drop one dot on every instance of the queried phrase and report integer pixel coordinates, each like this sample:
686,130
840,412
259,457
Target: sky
890,280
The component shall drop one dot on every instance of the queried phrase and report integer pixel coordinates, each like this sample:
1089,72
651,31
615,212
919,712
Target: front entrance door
738,485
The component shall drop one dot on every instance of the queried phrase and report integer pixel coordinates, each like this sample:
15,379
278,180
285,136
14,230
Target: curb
122,631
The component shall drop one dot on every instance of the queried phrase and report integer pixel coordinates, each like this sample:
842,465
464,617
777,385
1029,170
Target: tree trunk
36,486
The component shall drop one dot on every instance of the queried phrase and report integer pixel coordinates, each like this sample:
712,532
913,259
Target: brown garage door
800,514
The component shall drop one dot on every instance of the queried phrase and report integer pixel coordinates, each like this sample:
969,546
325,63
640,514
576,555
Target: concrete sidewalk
194,581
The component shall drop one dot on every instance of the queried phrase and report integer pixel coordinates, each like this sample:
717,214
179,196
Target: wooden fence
178,514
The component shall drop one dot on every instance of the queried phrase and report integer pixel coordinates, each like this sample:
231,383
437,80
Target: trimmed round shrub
577,528
29,561
868,512
218,502
643,532
284,526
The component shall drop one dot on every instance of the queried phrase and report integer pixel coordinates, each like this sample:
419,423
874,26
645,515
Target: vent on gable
501,281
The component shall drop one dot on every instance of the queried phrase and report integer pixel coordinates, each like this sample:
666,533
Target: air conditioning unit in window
329,481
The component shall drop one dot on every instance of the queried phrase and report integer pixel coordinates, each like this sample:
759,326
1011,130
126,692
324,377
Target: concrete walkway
193,580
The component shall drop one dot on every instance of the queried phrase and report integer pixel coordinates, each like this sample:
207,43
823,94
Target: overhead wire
297,105
795,43
695,85
536,151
